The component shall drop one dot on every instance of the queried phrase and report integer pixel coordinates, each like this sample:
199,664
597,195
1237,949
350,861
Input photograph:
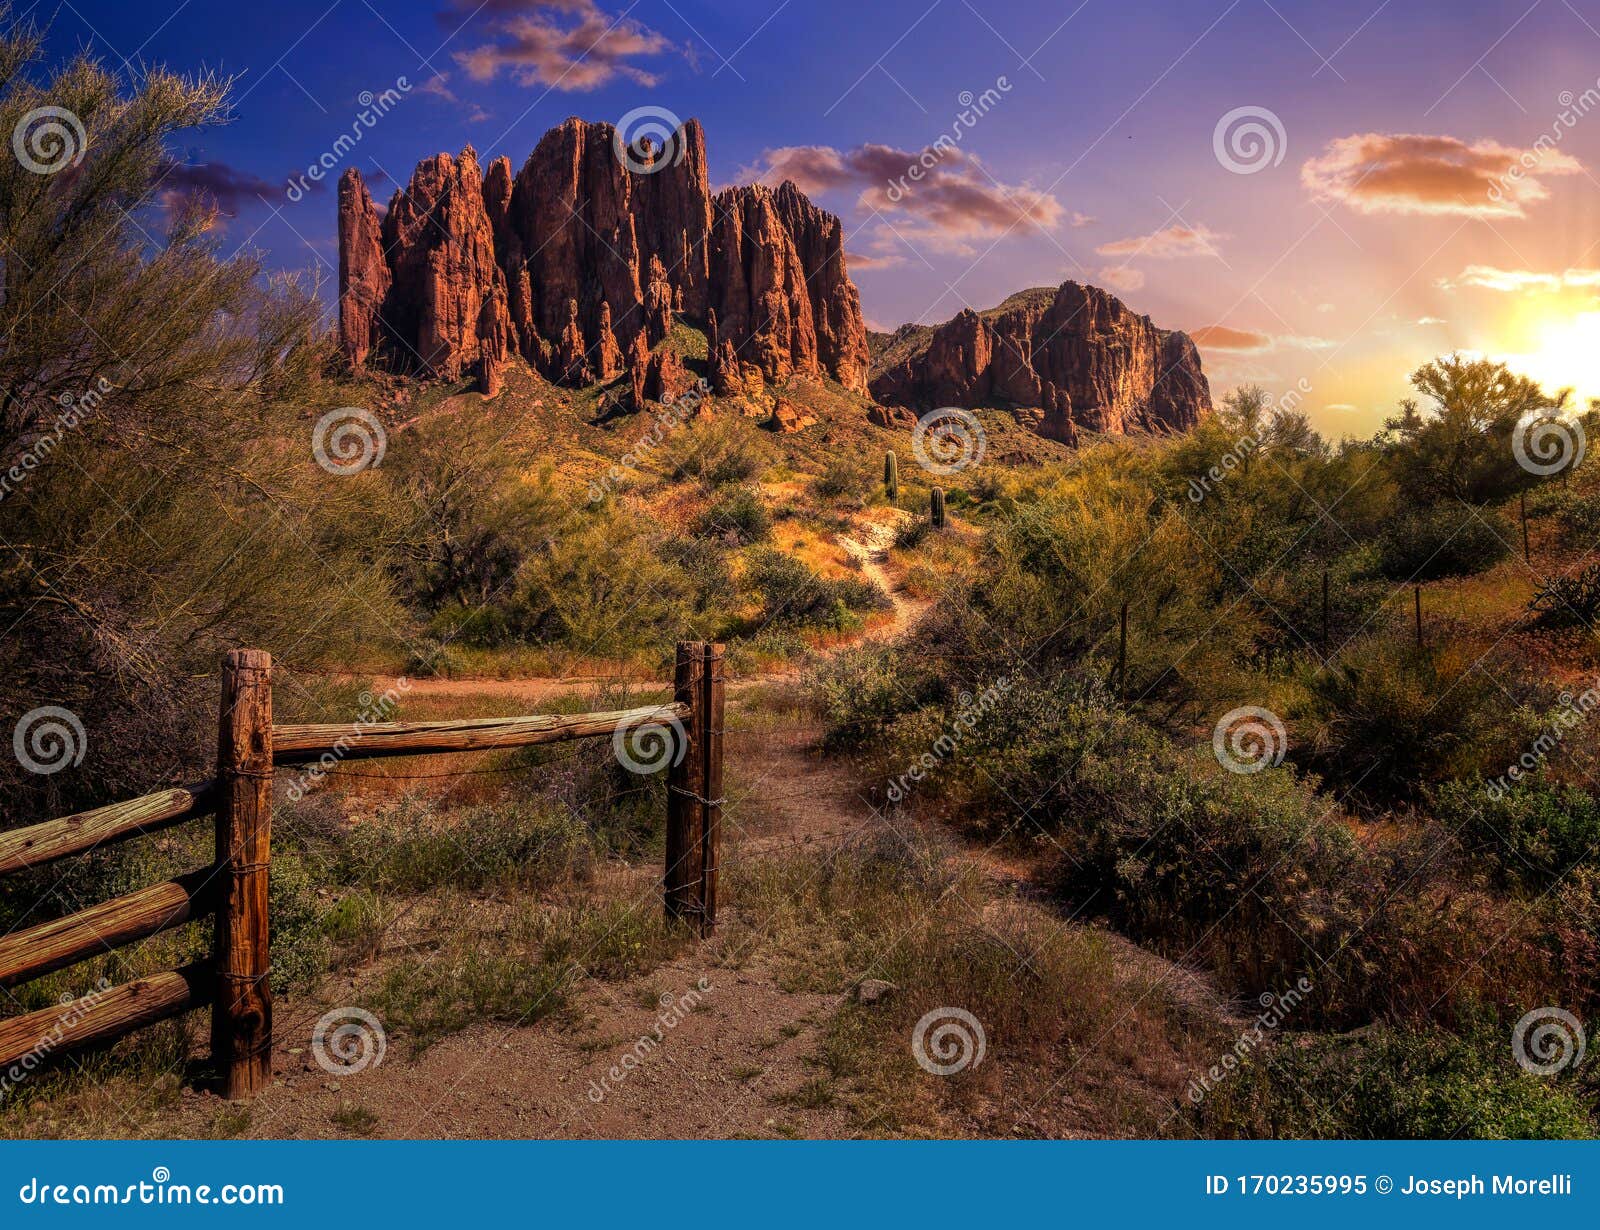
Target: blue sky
1366,239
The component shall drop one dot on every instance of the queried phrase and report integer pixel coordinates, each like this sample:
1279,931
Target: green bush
1447,540
1396,1084
792,592
1530,834
1387,721
605,587
859,691
738,514
847,477
716,451
1577,511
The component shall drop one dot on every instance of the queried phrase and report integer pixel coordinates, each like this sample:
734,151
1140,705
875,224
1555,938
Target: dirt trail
628,1061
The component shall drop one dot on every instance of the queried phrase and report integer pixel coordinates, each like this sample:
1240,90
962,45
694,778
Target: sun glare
1567,357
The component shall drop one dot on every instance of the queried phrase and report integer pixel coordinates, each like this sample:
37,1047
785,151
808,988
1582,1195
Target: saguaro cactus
891,477
936,507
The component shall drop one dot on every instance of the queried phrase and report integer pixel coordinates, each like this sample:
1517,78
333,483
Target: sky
1325,195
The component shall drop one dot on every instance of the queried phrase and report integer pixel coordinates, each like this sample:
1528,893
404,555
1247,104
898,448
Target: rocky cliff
584,250
1076,357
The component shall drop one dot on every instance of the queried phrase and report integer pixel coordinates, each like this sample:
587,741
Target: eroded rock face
577,254
1077,355
363,271
446,308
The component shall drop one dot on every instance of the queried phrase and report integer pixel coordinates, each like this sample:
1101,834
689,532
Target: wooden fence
235,982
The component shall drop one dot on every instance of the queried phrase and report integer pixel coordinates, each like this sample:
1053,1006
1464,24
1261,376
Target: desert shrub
911,533
1530,834
1060,561
415,848
738,514
516,965
859,691
705,565
477,625
1398,1084
1386,720
792,592
299,936
1568,599
604,587
716,451
1445,540
1578,512
474,516
175,511
848,477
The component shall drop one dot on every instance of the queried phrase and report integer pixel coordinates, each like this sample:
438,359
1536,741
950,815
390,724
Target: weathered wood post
891,477
684,879
936,507
714,683
241,1018
694,788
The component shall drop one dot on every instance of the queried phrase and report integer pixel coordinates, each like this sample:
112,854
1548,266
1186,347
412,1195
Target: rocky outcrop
363,271
835,304
571,258
1076,357
446,309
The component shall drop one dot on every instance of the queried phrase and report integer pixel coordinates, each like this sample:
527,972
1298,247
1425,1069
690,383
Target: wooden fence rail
236,981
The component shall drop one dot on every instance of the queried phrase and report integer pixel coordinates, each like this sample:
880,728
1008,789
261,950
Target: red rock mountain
576,257
1076,354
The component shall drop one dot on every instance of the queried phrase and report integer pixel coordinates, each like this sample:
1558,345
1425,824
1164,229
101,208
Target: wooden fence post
684,881
713,683
241,1019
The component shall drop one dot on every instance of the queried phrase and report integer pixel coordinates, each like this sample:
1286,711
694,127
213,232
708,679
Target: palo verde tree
1459,446
158,497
